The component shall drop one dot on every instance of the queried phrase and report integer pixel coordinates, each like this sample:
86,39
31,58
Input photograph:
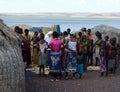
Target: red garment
91,37
64,58
27,49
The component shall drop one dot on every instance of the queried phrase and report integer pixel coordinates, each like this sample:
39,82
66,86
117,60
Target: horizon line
52,12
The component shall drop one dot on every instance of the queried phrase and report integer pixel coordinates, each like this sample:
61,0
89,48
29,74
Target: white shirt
72,45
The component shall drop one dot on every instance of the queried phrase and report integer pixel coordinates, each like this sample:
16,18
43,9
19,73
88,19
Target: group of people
69,52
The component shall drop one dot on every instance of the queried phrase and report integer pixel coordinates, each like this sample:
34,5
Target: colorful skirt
55,62
71,64
102,64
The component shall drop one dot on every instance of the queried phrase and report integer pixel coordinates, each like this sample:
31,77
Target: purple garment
102,64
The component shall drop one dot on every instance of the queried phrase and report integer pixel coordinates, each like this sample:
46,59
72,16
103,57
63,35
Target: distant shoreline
75,23
65,15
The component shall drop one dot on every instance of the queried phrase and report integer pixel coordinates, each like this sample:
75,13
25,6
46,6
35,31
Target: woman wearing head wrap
48,37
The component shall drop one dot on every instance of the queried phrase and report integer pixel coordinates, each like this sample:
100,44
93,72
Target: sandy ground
90,82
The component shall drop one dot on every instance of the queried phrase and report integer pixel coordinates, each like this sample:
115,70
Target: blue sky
31,6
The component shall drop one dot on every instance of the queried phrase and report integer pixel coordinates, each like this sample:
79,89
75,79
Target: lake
74,23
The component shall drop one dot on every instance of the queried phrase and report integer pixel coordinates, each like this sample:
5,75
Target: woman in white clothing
48,37
71,63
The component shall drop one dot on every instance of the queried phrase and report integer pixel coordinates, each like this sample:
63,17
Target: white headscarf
47,37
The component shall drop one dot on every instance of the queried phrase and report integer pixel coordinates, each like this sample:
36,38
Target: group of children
108,56
69,52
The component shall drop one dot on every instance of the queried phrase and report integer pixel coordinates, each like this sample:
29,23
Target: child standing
80,64
112,55
97,47
42,54
103,57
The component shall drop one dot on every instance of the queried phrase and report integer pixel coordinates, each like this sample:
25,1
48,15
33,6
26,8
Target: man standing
85,44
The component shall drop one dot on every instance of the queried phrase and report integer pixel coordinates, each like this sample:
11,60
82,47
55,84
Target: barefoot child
103,58
42,54
80,70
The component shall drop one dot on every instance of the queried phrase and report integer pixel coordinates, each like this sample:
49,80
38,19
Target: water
74,23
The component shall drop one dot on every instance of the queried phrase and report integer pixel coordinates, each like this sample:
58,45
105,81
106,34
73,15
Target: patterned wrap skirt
71,64
55,62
